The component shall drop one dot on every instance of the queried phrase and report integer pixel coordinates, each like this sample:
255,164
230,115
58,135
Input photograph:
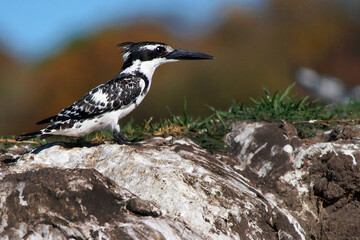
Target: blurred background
53,52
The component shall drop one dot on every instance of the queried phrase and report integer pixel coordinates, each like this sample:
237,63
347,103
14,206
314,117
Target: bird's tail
28,136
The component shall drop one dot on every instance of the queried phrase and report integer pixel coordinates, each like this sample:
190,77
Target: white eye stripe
153,47
150,47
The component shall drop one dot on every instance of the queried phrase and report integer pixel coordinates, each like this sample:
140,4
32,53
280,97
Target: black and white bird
106,104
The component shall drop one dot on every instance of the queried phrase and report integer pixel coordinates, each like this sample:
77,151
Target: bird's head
153,54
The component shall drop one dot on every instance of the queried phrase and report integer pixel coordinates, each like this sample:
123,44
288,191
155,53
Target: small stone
320,186
333,192
142,207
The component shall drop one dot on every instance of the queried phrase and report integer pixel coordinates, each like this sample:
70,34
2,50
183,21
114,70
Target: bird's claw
120,139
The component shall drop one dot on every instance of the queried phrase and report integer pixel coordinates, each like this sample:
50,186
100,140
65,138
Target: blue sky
33,29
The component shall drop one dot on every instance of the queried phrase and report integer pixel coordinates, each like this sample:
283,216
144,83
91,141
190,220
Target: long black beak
179,54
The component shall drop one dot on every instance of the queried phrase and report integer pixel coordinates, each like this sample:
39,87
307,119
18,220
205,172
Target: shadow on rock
67,145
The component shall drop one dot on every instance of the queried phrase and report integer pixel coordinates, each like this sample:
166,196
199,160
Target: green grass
210,131
280,106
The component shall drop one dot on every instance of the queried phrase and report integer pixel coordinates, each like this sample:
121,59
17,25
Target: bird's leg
120,139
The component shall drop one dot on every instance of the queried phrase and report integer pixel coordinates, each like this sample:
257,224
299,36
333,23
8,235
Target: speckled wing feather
113,95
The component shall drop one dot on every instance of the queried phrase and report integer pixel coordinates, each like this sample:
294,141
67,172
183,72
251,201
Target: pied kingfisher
106,104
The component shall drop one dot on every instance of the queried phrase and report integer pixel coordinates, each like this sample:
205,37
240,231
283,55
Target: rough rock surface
270,185
319,182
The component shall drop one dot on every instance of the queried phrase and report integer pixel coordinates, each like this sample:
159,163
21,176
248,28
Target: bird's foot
120,139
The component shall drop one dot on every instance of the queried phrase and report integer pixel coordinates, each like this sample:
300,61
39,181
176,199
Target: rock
61,203
198,196
143,208
316,181
333,192
345,132
264,150
320,186
271,185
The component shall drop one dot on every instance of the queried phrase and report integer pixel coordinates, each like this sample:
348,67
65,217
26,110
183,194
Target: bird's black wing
112,95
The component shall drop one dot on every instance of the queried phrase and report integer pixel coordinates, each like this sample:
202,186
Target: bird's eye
160,50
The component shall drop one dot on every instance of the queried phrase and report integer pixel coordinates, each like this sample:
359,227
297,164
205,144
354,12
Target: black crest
125,45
